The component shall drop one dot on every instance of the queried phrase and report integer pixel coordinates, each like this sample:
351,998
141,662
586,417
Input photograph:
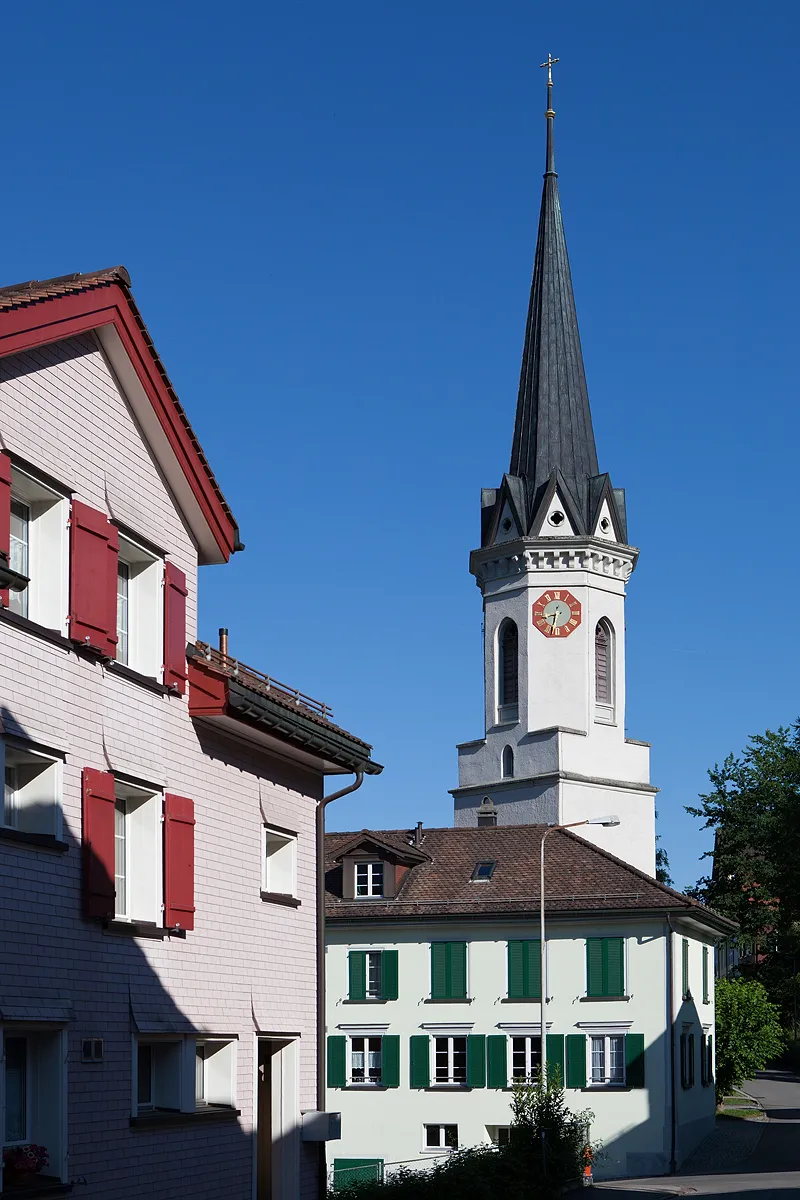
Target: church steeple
553,428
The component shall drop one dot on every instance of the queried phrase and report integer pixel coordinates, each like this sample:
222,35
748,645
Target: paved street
770,1172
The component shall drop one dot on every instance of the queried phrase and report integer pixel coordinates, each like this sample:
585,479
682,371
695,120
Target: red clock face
557,613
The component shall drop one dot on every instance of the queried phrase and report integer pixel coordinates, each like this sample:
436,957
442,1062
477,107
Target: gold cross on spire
549,64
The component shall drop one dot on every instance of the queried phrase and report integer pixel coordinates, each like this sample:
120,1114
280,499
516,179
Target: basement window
483,872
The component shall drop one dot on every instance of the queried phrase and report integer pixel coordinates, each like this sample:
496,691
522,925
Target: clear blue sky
329,214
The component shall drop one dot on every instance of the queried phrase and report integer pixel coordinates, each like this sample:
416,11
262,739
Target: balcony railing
259,682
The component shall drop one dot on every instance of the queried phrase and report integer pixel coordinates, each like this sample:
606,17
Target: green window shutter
337,1061
357,968
614,964
420,1061
476,1060
703,1061
685,969
497,1061
709,1061
516,977
533,969
439,970
634,1060
347,1171
576,1060
457,970
554,1049
705,974
389,975
390,1060
594,967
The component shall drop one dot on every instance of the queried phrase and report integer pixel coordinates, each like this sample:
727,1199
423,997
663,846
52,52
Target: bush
530,1167
748,1032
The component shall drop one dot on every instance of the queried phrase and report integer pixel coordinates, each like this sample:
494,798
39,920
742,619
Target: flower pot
14,1177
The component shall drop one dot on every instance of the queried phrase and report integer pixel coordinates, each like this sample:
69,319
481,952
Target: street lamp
607,821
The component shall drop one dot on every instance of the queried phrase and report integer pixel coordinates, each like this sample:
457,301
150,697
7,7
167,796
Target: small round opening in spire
605,524
556,518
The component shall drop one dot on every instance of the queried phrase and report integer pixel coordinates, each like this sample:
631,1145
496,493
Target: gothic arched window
507,766
508,670
604,663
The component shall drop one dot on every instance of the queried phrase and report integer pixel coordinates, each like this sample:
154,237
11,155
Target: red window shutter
174,628
94,554
178,862
98,843
5,513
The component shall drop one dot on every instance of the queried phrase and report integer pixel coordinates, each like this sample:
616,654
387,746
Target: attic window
369,879
483,872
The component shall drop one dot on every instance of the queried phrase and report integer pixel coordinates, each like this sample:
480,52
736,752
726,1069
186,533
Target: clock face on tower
557,613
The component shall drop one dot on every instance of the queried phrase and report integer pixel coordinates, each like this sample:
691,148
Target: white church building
434,987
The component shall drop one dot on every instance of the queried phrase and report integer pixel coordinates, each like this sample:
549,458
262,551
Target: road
772,1172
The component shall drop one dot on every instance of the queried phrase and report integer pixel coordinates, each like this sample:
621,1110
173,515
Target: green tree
752,808
748,1031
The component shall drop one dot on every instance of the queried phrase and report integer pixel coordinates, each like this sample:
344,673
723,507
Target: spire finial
550,114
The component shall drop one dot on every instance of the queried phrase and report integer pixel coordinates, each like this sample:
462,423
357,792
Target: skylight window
483,872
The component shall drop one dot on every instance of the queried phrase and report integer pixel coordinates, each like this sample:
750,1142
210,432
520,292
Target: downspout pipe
673,1166
321,806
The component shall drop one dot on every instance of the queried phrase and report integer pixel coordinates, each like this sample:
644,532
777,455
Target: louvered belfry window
602,663
509,660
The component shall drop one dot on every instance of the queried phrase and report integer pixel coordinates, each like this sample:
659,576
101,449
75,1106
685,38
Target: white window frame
20,554
507,714
605,711
441,1148
215,1072
34,803
145,609
373,992
450,1081
45,600
373,877
533,1050
143,819
606,1039
28,1086
46,1090
281,874
351,1052
499,1135
172,1074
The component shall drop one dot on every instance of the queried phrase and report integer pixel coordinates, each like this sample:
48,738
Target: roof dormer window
483,872
369,879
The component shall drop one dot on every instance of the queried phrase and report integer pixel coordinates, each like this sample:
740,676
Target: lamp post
607,821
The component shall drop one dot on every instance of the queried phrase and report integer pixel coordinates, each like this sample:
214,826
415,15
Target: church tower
552,567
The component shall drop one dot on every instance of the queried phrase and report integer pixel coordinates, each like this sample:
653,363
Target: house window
526,1057
280,862
686,991
706,1060
687,1059
160,1075
507,766
31,791
608,1059
123,600
508,672
500,1135
483,871
369,879
140,609
34,1083
38,549
605,966
372,974
441,1137
450,1059
17,1090
365,1060
604,672
215,1073
18,558
137,854
705,975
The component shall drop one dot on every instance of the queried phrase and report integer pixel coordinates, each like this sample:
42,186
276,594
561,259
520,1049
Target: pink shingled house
162,802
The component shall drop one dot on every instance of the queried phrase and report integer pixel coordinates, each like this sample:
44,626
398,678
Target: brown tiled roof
19,295
579,877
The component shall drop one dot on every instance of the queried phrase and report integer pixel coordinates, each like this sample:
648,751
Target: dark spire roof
553,428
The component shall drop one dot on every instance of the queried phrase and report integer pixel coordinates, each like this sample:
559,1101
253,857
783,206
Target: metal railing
260,682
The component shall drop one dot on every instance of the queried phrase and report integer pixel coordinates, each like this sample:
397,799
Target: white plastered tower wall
571,758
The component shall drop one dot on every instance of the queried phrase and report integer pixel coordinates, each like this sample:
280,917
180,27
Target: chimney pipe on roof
418,834
487,813
223,642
